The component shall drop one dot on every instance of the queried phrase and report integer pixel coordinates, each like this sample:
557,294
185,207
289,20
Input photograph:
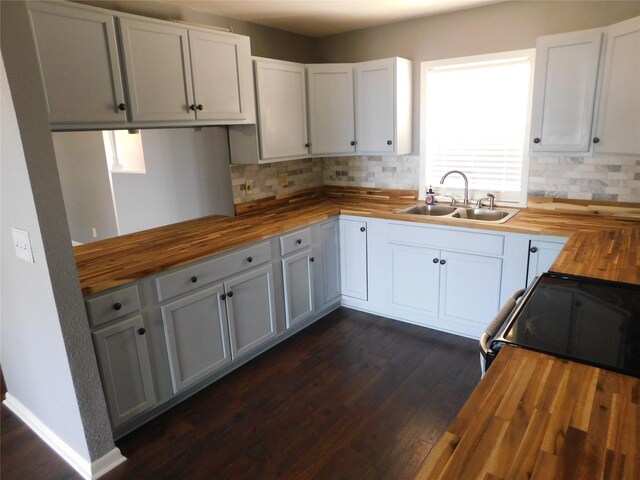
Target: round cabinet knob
596,140
307,145
249,259
389,142
230,294
122,107
312,259
223,297
352,143
194,279
200,106
362,229
533,249
443,261
117,306
192,107
141,331
436,260
299,241
536,140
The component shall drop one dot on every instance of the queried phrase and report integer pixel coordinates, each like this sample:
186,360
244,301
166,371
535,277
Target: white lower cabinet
297,274
445,286
330,240
353,258
123,357
251,309
542,254
197,336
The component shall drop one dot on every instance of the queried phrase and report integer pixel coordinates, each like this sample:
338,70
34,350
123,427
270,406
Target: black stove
583,319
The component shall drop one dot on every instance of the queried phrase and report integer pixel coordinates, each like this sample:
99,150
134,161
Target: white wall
85,184
47,355
33,356
188,176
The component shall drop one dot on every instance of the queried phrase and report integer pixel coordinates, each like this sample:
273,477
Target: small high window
124,151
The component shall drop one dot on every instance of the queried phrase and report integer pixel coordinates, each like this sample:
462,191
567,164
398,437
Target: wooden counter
112,262
540,417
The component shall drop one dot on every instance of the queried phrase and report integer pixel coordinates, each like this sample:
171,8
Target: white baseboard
90,471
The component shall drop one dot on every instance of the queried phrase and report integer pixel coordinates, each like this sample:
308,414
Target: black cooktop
583,319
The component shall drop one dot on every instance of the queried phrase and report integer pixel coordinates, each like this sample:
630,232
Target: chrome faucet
466,184
492,199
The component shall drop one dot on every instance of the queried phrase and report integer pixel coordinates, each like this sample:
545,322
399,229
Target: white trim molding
90,471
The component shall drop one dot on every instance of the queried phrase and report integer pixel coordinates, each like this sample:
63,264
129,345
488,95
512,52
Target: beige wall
265,41
493,28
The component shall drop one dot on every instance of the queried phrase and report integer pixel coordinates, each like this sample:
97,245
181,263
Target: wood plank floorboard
354,396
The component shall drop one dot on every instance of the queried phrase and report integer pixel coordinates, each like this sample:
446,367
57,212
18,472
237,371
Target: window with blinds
476,120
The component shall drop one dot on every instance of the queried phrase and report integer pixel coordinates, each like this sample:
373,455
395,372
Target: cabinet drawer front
295,241
449,240
192,278
114,305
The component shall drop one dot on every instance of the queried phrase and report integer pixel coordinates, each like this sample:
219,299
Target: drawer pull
141,331
194,279
249,259
362,229
117,306
436,260
299,241
533,249
536,140
230,294
443,261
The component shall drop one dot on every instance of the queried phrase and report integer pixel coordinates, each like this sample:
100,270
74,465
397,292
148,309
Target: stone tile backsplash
614,179
304,173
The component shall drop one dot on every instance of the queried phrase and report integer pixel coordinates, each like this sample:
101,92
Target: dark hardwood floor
354,396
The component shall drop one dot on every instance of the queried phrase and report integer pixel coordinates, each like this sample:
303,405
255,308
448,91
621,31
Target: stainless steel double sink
496,215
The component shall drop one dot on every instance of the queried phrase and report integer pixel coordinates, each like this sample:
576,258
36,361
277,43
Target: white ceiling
318,18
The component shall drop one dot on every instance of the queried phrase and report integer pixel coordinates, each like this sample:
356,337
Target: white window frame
491,57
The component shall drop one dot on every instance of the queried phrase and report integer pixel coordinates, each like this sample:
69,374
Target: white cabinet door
157,70
331,109
297,274
282,109
618,123
219,63
126,371
197,336
469,288
251,309
375,106
79,62
566,76
541,256
353,258
415,278
330,262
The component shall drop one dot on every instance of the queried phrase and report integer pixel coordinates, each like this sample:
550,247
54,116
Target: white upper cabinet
566,77
221,70
618,122
158,70
383,106
331,109
282,109
78,58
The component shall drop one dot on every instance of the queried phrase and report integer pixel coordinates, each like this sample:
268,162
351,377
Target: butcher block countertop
540,417
116,261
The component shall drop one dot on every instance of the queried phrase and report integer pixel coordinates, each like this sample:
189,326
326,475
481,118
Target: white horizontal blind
476,118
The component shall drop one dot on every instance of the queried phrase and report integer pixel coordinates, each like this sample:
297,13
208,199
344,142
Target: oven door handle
497,322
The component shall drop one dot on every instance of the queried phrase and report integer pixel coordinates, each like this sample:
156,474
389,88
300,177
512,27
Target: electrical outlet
283,179
248,186
22,245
